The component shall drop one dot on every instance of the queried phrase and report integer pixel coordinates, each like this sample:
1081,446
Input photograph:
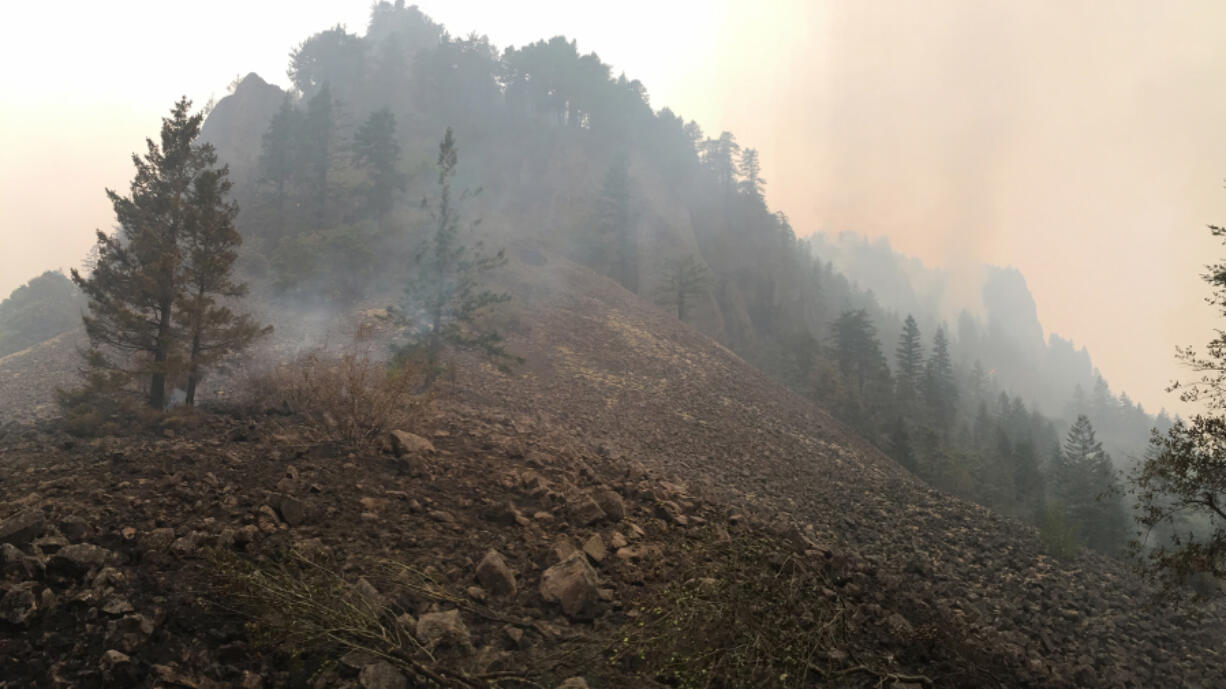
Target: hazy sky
1078,141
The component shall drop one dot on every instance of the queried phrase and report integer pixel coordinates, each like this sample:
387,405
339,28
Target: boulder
405,444
612,504
595,548
22,528
14,563
584,511
19,605
571,584
443,629
382,675
77,560
293,511
495,575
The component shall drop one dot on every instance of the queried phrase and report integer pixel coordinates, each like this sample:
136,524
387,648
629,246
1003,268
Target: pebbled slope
710,457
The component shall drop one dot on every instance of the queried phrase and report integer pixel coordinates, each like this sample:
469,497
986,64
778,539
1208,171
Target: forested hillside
568,154
38,311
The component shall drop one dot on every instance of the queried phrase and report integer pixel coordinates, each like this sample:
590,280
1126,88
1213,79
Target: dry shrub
353,394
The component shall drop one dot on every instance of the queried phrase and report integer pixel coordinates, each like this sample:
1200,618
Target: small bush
353,394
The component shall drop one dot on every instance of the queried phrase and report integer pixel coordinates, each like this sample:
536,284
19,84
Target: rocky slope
634,506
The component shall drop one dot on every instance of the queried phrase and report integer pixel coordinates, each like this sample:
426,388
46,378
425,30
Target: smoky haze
1077,141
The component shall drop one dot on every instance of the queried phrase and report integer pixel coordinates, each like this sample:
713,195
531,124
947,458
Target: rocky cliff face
237,123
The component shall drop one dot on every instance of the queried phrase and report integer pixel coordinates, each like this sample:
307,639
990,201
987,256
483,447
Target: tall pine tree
153,284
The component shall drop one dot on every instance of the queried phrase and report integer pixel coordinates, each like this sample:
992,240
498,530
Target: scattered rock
617,540
118,606
159,539
293,511
612,504
19,605
584,511
436,629
75,561
114,664
571,584
595,548
22,528
573,683
563,549
382,675
404,444
495,575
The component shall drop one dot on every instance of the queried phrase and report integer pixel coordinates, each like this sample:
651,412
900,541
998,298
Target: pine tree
910,359
858,353
1087,488
751,177
166,264
445,301
684,279
376,150
318,151
617,244
277,161
209,247
940,391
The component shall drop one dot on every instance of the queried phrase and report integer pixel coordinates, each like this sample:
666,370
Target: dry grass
352,394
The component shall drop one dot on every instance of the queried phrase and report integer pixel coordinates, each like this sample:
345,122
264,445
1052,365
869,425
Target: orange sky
1077,141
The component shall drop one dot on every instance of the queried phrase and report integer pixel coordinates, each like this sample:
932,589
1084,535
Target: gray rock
584,511
443,629
571,584
77,560
612,504
75,528
23,527
495,575
595,548
405,444
382,675
19,605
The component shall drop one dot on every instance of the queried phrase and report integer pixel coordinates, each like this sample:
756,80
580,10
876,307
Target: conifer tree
684,279
445,300
318,150
376,150
1086,487
209,247
615,226
910,360
277,160
153,284
751,177
940,391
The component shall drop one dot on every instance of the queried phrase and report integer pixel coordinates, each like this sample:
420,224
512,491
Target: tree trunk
157,388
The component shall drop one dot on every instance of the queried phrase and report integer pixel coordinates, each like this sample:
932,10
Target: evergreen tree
858,353
719,157
684,279
617,243
1086,487
909,357
751,177
168,261
209,246
318,152
277,161
940,391
444,303
376,150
